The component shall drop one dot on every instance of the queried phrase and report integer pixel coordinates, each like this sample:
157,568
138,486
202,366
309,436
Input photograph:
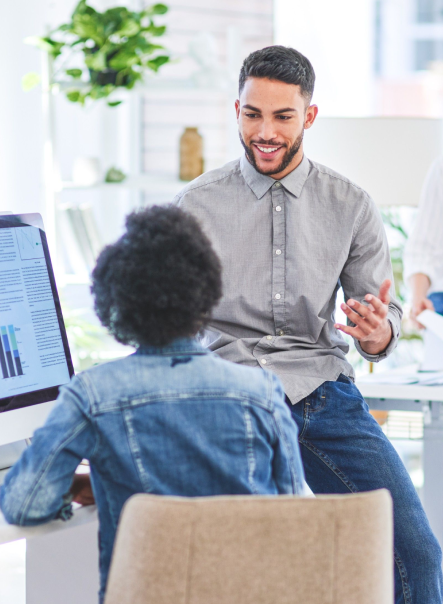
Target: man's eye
284,117
252,115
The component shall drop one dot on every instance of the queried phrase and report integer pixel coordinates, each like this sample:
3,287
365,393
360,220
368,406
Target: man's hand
81,489
372,329
420,284
419,306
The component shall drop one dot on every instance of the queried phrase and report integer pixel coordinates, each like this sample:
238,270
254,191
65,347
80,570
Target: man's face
272,117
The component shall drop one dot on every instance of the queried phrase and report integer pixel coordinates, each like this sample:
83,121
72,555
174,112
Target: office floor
12,572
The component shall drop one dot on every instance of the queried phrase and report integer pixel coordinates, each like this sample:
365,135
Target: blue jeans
344,450
437,300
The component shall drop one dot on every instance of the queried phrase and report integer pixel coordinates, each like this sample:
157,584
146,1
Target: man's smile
267,151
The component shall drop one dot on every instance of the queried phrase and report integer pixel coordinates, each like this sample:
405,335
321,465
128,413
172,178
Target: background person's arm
420,284
423,257
37,488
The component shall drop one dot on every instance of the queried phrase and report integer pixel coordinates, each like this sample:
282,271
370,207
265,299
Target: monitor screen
34,353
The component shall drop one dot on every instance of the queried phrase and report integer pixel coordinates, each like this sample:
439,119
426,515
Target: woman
171,419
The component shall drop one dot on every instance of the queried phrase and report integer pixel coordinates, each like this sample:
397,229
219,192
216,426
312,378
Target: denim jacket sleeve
287,468
36,489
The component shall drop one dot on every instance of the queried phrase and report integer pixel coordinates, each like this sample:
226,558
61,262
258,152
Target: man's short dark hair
279,63
159,281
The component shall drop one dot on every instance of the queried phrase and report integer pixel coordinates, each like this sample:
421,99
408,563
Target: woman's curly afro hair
159,281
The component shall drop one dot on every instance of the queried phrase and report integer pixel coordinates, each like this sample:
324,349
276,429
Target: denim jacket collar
177,347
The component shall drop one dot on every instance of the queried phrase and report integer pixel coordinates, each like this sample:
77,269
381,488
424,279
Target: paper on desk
432,321
431,378
433,340
396,380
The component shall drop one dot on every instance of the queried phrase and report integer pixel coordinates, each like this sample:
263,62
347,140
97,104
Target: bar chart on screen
10,360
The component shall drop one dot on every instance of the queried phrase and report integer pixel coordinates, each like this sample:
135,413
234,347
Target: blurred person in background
423,257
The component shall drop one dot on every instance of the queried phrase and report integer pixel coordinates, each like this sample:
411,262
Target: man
290,233
170,419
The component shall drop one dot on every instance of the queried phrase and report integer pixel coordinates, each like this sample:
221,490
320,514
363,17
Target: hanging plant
116,49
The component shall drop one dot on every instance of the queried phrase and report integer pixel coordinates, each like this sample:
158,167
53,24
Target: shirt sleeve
367,266
36,489
288,470
424,249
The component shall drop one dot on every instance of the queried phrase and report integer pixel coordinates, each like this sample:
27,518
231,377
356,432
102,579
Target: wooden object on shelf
191,154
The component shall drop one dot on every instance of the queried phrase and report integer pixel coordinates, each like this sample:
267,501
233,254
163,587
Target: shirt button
278,209
278,252
269,337
263,361
277,185
277,296
281,333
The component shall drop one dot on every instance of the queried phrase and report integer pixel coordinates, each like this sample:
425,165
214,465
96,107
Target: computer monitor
34,353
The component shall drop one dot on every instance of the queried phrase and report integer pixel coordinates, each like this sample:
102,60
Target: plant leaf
156,9
50,46
83,8
123,60
155,30
73,96
114,103
30,81
156,63
74,73
128,28
96,61
88,27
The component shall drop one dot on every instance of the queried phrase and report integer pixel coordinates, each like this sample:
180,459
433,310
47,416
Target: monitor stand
10,453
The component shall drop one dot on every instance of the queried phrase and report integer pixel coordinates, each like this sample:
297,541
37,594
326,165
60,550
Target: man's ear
237,108
310,115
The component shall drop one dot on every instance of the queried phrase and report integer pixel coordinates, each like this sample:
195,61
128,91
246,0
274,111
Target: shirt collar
177,347
260,184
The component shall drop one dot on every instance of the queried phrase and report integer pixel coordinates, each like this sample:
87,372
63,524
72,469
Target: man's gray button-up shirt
286,248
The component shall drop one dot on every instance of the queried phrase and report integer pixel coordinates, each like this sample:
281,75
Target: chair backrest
334,549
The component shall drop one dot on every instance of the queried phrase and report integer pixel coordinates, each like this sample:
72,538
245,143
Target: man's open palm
372,329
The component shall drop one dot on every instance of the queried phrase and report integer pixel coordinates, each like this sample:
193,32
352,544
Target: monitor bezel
44,395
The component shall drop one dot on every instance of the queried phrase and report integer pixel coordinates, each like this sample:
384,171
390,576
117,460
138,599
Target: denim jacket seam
176,398
45,469
90,390
134,448
281,433
249,437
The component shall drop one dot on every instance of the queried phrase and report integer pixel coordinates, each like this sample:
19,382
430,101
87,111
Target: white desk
417,398
61,558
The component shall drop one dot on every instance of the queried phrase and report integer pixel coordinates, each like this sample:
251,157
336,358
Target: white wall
338,39
20,115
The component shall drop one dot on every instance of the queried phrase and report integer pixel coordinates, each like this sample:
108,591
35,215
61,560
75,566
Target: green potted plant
116,49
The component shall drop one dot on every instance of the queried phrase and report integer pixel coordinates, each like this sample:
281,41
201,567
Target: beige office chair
254,550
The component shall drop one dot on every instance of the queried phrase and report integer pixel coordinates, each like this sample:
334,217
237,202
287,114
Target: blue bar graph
13,340
8,352
3,361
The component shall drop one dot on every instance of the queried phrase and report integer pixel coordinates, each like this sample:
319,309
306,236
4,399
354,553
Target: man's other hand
418,306
372,328
81,489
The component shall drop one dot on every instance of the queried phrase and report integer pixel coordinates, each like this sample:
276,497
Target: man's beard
287,158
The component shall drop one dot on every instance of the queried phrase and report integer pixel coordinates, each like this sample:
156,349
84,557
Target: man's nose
267,130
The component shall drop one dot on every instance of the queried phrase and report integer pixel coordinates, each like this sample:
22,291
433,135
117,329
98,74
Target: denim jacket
174,421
